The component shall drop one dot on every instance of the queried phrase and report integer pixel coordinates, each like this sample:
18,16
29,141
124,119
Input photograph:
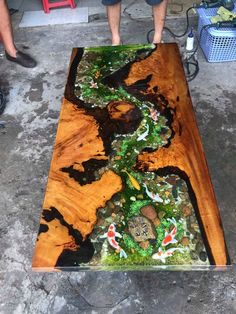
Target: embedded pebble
144,245
199,247
186,211
195,226
141,229
149,212
185,241
171,180
156,222
194,255
110,204
161,214
140,196
203,256
174,192
191,230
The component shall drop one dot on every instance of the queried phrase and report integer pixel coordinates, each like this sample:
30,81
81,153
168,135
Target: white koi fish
111,234
144,134
163,255
153,196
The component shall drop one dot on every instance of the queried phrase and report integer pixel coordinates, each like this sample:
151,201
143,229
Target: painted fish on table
163,255
144,134
170,237
154,114
111,235
133,181
153,196
93,84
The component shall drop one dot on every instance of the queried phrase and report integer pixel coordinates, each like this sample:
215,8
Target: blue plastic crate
217,44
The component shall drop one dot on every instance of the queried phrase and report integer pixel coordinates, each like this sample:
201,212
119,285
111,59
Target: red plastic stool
47,5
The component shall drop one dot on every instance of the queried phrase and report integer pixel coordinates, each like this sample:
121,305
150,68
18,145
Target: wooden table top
128,184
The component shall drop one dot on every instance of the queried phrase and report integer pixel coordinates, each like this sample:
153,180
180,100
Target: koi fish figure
144,134
111,234
153,196
133,181
163,255
93,84
170,237
154,114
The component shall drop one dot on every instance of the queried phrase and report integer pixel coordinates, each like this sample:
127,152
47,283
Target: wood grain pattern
186,150
77,204
71,205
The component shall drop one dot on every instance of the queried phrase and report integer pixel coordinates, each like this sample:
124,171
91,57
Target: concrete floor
27,132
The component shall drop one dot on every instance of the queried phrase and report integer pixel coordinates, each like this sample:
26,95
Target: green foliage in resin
131,244
136,259
97,64
135,207
169,210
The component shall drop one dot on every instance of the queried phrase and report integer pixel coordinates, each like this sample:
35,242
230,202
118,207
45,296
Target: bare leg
159,14
6,29
113,14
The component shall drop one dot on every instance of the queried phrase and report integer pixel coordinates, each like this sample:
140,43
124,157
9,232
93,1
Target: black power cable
187,26
190,61
173,34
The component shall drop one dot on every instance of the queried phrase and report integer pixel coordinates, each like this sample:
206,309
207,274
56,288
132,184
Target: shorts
112,2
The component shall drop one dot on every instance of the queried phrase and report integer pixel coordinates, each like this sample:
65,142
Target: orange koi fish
111,234
170,237
154,114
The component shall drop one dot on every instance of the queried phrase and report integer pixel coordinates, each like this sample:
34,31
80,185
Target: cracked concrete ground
27,132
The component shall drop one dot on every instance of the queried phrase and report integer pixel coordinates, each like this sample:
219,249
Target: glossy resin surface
128,186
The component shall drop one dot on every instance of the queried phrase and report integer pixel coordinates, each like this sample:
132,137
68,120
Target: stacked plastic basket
217,44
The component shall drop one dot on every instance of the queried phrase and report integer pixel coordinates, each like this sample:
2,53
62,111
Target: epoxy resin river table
128,186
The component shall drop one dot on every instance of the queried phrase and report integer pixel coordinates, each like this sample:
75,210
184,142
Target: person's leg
12,54
113,14
159,14
6,30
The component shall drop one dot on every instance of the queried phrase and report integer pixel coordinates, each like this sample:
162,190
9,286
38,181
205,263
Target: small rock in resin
141,229
149,212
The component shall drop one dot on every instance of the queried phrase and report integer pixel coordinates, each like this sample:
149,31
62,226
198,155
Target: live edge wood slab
116,99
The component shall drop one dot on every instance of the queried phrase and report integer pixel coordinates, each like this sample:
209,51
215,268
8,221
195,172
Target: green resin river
153,214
